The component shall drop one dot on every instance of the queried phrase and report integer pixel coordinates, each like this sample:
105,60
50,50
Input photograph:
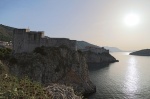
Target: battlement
25,40
42,32
21,30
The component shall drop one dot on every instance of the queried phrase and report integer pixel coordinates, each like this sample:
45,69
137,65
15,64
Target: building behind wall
98,50
25,40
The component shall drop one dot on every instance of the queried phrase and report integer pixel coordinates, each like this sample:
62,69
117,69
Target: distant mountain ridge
83,44
6,33
113,49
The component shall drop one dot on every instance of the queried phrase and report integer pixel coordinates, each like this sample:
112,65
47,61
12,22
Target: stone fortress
25,40
97,50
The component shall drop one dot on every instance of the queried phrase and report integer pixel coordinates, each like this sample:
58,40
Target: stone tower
25,40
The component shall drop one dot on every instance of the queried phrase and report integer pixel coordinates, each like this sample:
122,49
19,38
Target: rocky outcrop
58,91
54,65
97,61
144,52
92,57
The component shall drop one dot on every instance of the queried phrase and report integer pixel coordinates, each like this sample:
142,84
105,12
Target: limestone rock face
56,65
99,57
61,92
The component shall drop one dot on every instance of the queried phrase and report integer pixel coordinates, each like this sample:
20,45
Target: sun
131,19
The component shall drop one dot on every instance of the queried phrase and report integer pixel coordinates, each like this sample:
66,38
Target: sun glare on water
131,19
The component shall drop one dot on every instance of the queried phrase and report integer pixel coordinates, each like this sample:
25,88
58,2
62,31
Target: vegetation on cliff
54,65
12,87
5,53
6,33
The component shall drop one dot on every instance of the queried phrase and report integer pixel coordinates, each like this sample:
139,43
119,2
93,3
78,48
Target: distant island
143,52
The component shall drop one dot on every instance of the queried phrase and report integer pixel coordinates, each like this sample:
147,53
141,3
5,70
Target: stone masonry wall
25,40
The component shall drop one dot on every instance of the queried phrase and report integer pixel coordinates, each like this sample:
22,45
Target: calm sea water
127,79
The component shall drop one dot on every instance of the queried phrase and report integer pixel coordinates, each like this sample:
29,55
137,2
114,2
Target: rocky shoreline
99,58
101,64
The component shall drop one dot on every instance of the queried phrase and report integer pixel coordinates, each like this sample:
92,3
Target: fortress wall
73,44
56,42
98,50
25,40
33,40
19,36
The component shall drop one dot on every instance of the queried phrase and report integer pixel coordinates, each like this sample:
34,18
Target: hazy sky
100,22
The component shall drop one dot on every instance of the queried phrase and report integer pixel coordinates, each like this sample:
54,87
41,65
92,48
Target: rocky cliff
58,91
98,60
144,52
92,57
54,65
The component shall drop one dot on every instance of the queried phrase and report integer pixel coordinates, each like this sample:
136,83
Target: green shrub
3,68
12,88
64,46
5,53
40,50
79,51
13,60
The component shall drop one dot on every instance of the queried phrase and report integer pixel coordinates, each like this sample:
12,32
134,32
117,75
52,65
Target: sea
127,79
